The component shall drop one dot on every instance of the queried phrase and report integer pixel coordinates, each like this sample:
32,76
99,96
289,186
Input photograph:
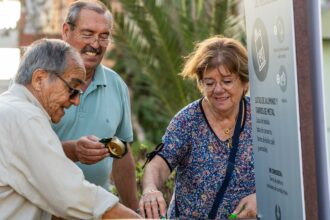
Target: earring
244,93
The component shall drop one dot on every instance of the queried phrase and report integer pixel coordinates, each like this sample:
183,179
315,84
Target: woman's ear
38,78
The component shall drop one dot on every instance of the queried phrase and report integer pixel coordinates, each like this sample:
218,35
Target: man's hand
89,150
247,207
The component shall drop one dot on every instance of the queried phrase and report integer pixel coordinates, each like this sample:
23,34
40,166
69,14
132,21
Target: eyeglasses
72,91
209,84
89,38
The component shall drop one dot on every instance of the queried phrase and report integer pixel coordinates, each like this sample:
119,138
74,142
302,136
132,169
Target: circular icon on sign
282,79
278,214
279,29
260,49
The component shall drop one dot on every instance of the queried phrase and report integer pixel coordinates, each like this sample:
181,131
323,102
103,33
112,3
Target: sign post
275,109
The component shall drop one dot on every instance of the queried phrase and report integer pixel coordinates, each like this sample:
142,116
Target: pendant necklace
230,142
226,131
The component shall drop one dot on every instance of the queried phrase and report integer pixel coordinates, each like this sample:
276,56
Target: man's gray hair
48,54
77,6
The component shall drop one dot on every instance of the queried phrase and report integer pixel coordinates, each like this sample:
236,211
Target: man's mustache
91,49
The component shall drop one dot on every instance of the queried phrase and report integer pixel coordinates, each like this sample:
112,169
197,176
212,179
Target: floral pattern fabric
200,159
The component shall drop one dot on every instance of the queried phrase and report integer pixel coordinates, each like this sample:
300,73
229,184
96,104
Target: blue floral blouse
200,159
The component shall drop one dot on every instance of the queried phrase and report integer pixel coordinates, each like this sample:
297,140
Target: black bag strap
153,153
230,166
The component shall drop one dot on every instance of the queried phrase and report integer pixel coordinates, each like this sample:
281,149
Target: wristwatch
116,147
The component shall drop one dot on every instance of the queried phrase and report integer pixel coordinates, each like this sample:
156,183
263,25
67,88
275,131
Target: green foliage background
151,39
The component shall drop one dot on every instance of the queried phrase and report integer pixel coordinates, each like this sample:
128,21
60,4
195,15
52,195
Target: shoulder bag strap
230,166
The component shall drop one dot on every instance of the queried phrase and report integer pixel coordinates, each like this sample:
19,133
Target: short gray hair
48,54
77,6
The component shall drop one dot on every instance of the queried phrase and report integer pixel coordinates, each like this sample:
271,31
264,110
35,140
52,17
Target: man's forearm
125,181
120,211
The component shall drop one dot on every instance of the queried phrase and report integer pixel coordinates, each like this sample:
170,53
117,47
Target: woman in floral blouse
199,140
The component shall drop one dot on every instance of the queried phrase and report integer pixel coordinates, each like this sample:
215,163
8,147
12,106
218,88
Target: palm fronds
151,39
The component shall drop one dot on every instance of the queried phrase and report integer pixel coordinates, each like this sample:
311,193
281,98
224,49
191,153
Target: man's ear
65,31
38,79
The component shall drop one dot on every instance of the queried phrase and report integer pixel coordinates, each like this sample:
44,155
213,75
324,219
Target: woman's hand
152,204
247,207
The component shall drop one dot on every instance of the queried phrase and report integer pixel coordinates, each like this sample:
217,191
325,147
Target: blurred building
21,23
9,37
24,21
41,19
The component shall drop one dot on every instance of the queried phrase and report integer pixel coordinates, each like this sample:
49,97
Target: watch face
116,147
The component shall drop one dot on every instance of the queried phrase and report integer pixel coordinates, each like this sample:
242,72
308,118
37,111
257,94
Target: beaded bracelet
150,191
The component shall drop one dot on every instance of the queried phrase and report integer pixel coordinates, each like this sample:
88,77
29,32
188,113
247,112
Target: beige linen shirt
36,178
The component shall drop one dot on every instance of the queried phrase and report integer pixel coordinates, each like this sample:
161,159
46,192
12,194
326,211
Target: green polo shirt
104,111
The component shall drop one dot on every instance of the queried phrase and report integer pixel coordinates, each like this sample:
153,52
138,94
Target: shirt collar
99,77
22,92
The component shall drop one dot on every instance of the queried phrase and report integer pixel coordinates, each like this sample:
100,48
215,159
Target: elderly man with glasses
104,110
37,180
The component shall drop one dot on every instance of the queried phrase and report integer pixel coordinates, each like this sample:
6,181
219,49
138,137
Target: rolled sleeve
105,201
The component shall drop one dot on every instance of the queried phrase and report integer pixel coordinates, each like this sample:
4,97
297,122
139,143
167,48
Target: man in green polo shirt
104,109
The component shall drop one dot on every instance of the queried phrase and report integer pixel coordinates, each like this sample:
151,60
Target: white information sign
275,115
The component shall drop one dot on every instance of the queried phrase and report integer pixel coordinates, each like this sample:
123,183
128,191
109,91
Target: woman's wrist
149,191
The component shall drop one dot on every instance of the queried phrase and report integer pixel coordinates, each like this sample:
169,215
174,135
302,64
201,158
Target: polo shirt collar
22,92
99,77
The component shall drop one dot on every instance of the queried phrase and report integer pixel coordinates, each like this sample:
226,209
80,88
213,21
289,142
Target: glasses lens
209,84
104,42
74,93
91,39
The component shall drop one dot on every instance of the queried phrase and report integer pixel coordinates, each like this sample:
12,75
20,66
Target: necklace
230,142
227,131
